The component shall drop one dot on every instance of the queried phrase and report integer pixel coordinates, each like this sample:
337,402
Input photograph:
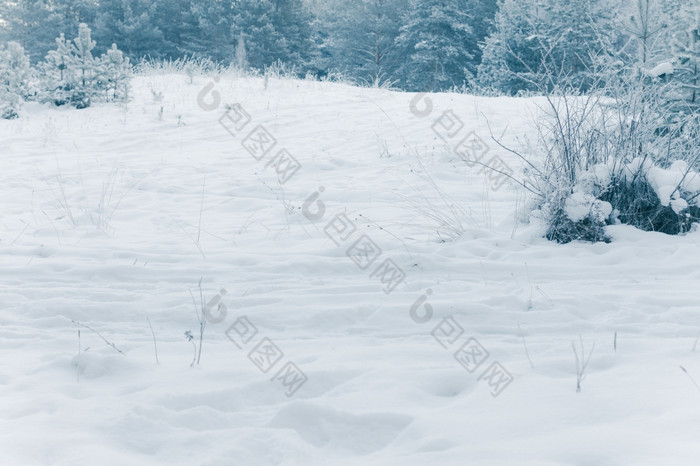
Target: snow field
100,223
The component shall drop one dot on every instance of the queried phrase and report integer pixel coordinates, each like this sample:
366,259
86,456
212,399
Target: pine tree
70,73
57,73
34,24
179,26
273,31
292,21
131,24
15,79
75,12
214,22
509,52
359,38
253,21
536,44
115,74
16,73
645,26
686,47
436,38
482,14
82,51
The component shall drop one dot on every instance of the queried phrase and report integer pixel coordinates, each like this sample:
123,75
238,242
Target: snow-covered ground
110,216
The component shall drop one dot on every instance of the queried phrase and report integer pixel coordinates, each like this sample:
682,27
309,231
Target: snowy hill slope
110,216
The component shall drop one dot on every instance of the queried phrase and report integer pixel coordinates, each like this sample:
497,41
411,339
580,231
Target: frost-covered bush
192,65
612,156
15,79
578,214
567,195
653,198
638,193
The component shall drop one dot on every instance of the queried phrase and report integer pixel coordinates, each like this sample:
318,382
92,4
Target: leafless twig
581,362
155,346
109,343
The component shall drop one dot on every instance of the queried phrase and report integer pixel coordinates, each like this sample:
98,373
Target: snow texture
111,215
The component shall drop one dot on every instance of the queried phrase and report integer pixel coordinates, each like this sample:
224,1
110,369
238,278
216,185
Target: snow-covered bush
653,198
612,156
638,193
567,192
192,65
9,105
15,79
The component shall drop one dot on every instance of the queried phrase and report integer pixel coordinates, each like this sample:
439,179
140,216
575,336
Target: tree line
503,46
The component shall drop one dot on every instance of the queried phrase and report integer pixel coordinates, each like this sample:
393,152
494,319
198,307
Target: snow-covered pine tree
273,31
510,54
483,14
253,21
70,73
436,38
115,74
15,79
646,25
686,47
86,68
648,59
536,43
134,25
9,104
57,73
17,73
581,31
292,20
359,39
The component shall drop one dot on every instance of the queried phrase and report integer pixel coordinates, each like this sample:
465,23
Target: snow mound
669,184
660,69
